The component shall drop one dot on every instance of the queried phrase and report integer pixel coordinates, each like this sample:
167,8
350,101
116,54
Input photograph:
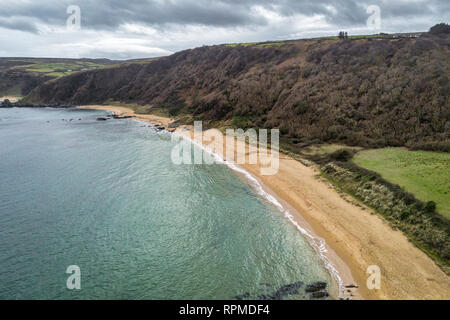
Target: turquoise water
105,196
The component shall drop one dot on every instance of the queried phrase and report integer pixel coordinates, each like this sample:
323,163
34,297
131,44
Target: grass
258,44
352,37
57,69
351,188
130,62
324,149
424,174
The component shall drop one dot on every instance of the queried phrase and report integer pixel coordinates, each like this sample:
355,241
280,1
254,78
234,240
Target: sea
97,210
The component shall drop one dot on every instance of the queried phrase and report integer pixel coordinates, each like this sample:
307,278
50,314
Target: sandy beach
10,98
356,238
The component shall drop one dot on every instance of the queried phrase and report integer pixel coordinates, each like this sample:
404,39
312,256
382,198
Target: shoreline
337,269
354,236
11,99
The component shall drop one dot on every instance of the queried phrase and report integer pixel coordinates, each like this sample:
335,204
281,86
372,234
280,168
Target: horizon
212,45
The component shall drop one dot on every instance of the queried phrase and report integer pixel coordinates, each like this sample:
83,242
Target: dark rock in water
289,289
283,291
102,119
319,295
267,297
174,125
316,286
242,296
159,128
115,116
6,104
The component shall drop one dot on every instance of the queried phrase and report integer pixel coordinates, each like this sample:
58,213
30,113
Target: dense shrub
441,28
416,219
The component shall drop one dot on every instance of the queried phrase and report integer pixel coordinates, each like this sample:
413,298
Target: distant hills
368,91
18,76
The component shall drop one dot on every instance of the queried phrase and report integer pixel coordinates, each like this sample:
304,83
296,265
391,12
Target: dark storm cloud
18,24
109,15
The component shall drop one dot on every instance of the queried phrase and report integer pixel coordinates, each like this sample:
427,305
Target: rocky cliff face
367,92
17,82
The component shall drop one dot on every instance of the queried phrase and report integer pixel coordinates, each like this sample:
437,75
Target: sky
132,29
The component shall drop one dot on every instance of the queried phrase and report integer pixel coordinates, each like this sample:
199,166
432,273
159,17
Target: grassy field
324,149
422,173
57,69
258,44
353,37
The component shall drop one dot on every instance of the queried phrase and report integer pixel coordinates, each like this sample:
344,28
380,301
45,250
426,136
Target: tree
441,28
343,35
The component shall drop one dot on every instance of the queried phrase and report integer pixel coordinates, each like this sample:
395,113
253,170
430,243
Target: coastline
355,238
10,98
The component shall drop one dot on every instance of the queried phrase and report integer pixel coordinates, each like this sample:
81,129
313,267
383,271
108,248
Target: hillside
18,76
367,91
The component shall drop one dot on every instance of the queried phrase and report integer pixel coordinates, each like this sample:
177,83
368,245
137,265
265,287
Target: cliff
367,91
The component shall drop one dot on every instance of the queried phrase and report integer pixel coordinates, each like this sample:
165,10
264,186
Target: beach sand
10,98
356,237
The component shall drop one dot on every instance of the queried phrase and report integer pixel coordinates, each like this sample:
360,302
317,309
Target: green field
259,44
56,69
422,173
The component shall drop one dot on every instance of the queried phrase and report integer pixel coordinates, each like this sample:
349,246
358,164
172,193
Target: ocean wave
316,242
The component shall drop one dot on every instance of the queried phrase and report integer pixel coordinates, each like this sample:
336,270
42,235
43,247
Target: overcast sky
127,29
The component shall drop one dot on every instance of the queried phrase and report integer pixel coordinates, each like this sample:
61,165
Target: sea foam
316,242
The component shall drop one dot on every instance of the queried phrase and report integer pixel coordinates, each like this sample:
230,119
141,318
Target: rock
6,104
267,297
283,291
115,116
319,295
288,289
316,286
102,119
242,296
173,125
351,286
159,127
